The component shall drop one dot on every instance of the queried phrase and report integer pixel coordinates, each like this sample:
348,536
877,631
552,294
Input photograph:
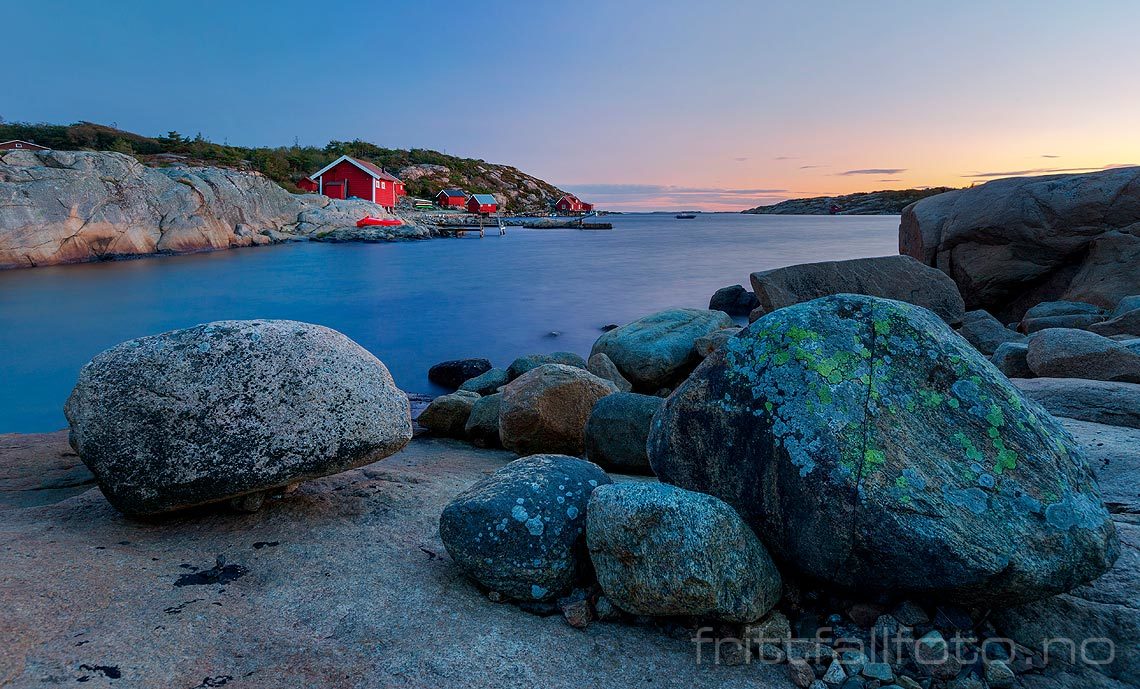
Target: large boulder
1030,325
1012,243
228,409
482,427
1115,404
1067,353
734,300
452,374
1127,323
986,333
1012,359
446,415
600,365
618,429
662,550
545,409
487,383
1130,303
713,341
657,351
872,447
521,530
532,361
893,277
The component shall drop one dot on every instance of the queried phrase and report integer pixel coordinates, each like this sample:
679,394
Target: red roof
375,169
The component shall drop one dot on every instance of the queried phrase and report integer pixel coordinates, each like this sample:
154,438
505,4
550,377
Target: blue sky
634,104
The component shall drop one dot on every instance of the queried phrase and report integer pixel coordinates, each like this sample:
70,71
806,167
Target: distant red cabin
18,145
572,204
451,198
483,204
346,177
306,184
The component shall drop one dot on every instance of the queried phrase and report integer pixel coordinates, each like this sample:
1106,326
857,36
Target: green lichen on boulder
870,446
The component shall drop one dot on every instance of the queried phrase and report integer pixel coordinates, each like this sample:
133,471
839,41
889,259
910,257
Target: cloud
1046,155
663,196
890,180
784,158
873,171
812,167
741,159
1040,171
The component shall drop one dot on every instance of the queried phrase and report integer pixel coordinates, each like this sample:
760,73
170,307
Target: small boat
685,216
386,222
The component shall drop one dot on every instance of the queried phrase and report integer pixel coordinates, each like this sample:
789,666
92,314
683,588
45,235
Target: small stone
885,631
853,661
911,614
854,683
810,651
905,682
251,502
732,653
800,672
998,675
933,656
770,654
835,674
577,613
605,609
879,671
967,682
773,628
495,597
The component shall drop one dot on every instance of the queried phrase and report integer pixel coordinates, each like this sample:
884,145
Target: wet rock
601,366
734,300
447,415
617,431
530,362
520,531
487,383
839,428
545,409
482,428
658,350
985,332
708,344
1067,353
452,374
226,409
1127,323
1011,358
893,277
660,550
1114,404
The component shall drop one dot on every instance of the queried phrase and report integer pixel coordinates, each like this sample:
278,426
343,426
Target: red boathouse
572,204
306,184
451,198
483,204
18,145
346,177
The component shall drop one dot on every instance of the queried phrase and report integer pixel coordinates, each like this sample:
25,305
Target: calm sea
411,304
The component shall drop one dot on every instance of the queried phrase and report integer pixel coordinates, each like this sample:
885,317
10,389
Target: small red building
572,204
306,184
18,145
451,198
483,204
346,178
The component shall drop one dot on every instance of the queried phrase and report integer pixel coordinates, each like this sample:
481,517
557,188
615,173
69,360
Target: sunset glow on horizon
642,106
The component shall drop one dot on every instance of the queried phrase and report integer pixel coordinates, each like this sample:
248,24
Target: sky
635,105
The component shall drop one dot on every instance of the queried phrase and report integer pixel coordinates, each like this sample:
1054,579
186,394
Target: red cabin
346,177
483,204
572,204
451,198
18,145
306,184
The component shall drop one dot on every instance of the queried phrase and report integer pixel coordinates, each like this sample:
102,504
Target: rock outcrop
71,207
1012,243
870,446
231,409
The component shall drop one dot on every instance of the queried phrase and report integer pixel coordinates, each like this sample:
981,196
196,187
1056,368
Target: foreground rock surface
545,409
870,446
662,550
83,586
657,351
1114,404
521,530
893,277
230,408
617,431
72,206
1068,353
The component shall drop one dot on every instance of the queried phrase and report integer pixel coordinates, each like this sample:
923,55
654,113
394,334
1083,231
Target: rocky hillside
423,170
72,207
890,202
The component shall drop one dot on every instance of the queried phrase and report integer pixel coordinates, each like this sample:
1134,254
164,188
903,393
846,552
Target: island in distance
887,202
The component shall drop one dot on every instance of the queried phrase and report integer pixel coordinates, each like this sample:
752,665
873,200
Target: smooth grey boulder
1063,308
482,428
1129,303
229,409
545,409
1012,243
892,277
986,333
662,550
734,300
870,446
657,351
617,431
1011,358
1127,323
1115,404
532,361
453,374
486,383
1113,456
1067,353
447,415
601,366
521,530
1072,320
713,341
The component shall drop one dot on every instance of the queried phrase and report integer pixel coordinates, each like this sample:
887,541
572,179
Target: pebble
854,683
771,654
835,674
577,613
812,651
905,682
885,631
911,614
879,671
853,661
818,684
800,672
605,609
998,675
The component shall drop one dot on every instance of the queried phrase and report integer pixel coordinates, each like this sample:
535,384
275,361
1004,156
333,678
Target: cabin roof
484,198
452,193
371,169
